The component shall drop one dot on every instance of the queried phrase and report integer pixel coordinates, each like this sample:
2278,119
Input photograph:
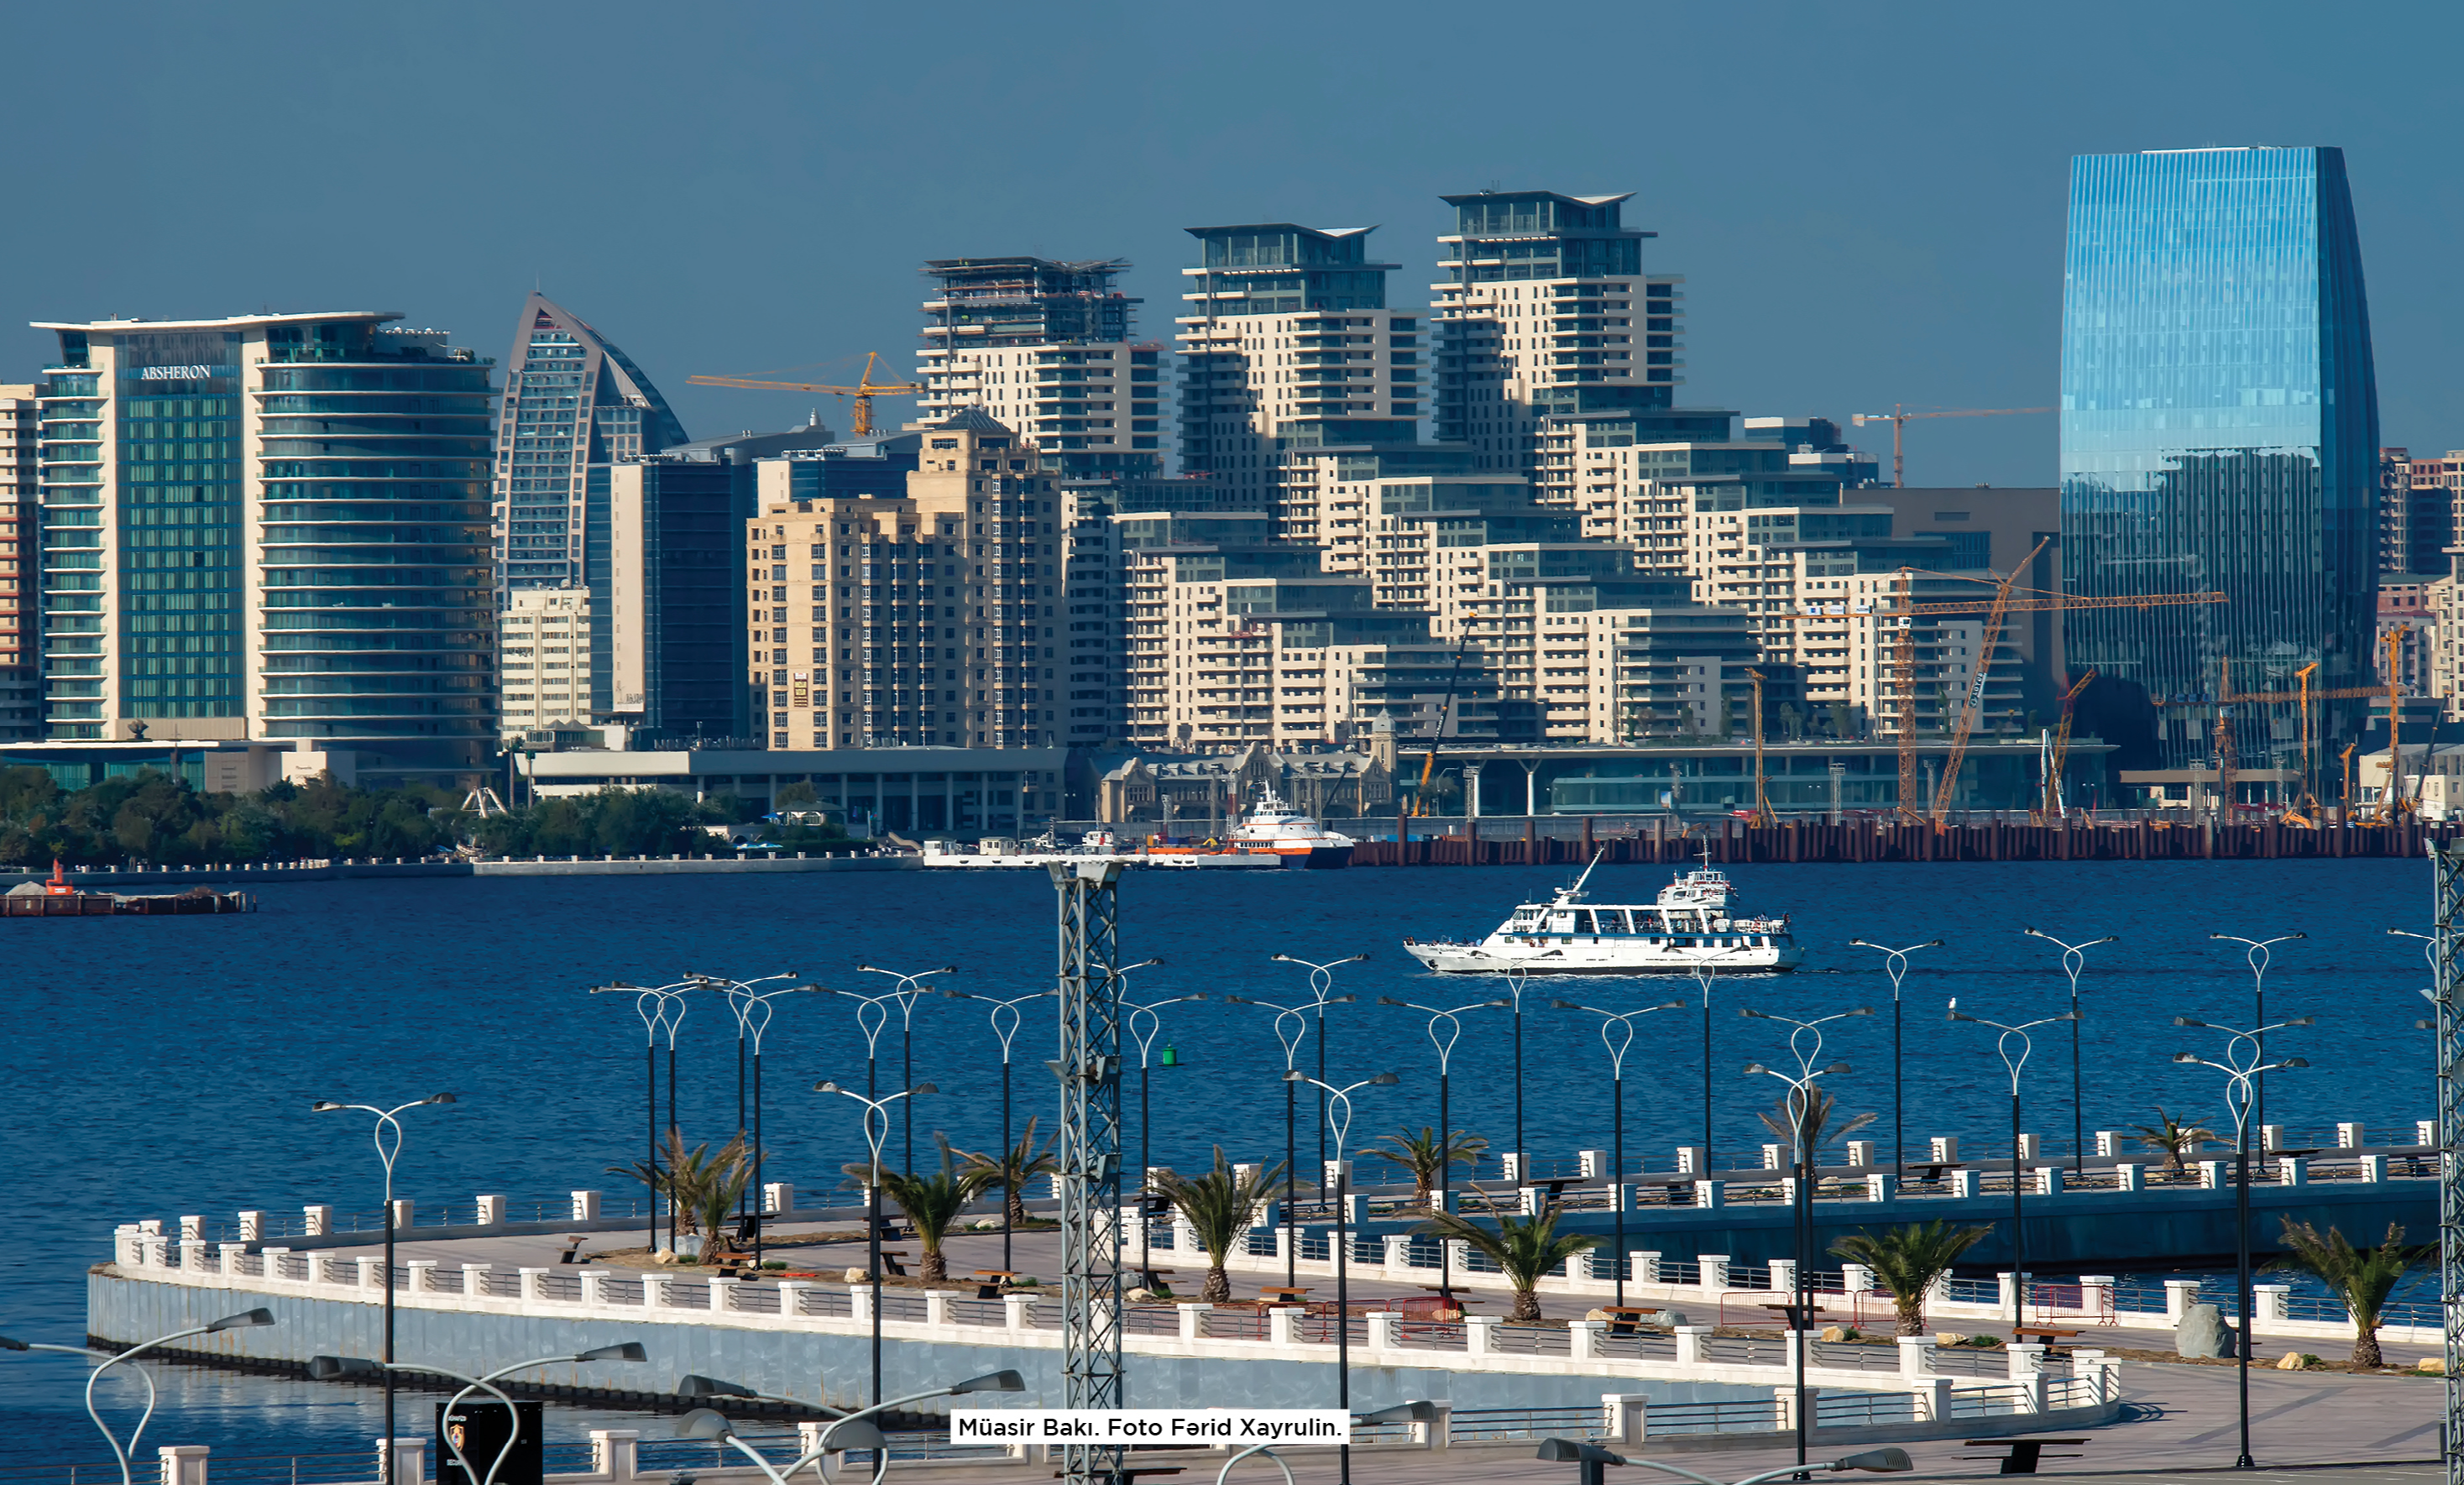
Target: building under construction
1044,348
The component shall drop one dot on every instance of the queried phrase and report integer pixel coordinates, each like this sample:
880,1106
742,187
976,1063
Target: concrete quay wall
173,879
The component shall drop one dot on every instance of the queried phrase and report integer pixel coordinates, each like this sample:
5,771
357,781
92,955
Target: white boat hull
1604,956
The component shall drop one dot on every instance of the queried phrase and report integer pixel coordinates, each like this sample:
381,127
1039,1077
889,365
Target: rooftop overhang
233,323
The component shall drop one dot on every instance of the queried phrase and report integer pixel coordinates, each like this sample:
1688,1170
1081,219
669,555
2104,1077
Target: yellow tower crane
864,391
1898,417
2062,747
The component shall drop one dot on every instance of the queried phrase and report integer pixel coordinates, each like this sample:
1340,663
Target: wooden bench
573,1242
1282,1293
1626,1319
2053,1334
2024,1451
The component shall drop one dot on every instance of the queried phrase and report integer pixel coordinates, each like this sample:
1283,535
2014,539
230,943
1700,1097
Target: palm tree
2175,1137
933,1203
1817,1116
1218,1206
1909,1261
1421,1155
701,1184
2363,1278
1013,1168
1524,1249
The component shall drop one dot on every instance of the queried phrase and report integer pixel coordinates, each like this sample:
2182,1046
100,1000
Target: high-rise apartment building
2419,512
1044,348
574,406
543,660
2219,431
1543,311
926,619
275,527
1287,332
21,712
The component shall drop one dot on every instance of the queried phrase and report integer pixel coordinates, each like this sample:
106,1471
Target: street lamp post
1701,972
1340,1099
387,1149
1291,1027
329,1368
124,1453
1617,1042
2073,960
908,991
753,1013
1143,1022
1321,982
876,1130
2242,1068
853,1431
2012,1046
2255,951
1516,974
1004,1016
1805,1045
1445,1046
662,1010
1895,964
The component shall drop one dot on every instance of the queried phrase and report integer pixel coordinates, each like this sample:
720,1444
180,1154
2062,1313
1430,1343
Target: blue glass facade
2219,429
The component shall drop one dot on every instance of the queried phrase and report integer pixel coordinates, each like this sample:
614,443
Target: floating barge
58,898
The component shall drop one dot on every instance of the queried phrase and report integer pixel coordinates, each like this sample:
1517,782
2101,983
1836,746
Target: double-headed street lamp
1617,1041
2243,1066
662,1010
1450,1019
1895,964
753,1012
1702,972
1004,1018
910,989
2255,951
2073,960
1144,1022
1291,1028
332,1369
1517,974
124,1453
1805,1046
1321,986
876,1130
1338,1120
853,1431
388,1134
2014,1046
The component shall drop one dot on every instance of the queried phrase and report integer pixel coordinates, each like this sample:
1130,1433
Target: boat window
1582,920
1612,920
1561,923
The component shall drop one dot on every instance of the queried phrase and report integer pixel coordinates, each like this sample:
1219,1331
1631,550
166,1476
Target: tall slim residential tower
574,405
2219,431
1287,340
21,710
271,526
1044,348
1545,309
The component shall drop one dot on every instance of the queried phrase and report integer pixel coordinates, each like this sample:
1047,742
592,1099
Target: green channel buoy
1171,1055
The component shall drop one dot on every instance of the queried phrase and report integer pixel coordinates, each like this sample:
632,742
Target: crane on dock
1900,617
2227,752
1762,801
864,391
2062,747
1974,703
1898,417
1445,709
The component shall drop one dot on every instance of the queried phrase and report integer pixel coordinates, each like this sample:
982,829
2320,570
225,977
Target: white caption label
1238,1427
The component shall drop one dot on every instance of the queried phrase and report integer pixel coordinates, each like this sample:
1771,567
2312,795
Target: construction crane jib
1898,417
864,391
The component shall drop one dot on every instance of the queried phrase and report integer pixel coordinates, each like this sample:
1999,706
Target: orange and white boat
1273,833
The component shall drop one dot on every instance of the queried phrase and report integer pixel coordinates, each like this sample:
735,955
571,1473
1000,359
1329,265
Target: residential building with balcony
21,709
1044,348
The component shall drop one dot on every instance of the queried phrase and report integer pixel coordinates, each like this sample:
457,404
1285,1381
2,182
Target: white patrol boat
1690,928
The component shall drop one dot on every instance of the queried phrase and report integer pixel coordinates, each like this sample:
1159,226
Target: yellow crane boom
864,391
1974,703
2062,747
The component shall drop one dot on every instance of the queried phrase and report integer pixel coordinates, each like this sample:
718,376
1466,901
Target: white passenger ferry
1691,927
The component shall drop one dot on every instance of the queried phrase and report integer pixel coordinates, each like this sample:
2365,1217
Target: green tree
1218,1206
2177,1138
1818,1114
1526,1250
2363,1278
702,1184
1908,1260
1013,1168
932,1202
1420,1153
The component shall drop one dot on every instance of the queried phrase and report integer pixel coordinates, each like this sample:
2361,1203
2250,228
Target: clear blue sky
1866,199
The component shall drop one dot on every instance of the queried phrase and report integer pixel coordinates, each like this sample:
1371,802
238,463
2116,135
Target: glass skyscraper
2219,432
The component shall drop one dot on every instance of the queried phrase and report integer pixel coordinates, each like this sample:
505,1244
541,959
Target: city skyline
1844,250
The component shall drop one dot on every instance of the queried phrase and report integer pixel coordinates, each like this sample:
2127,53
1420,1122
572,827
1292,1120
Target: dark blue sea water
167,1066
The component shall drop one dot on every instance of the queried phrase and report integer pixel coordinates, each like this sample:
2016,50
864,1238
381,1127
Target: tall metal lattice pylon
1090,1068
2447,940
